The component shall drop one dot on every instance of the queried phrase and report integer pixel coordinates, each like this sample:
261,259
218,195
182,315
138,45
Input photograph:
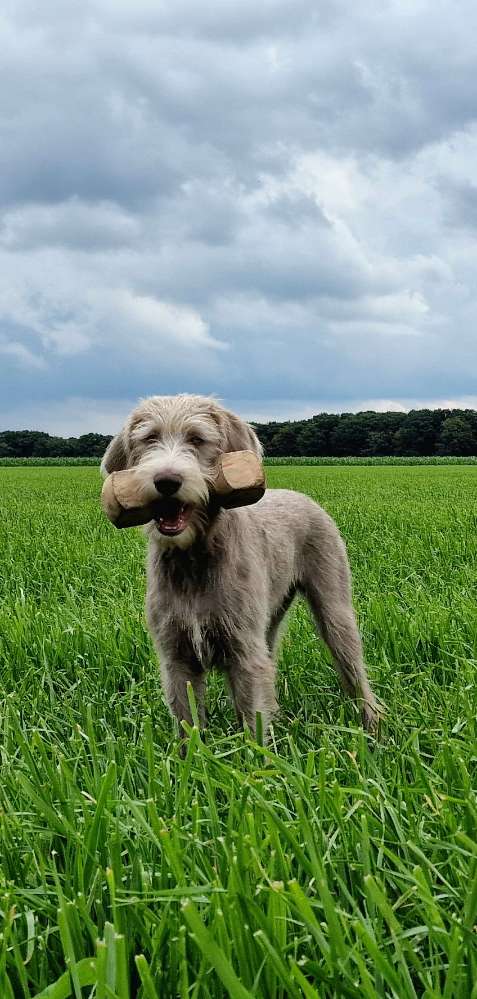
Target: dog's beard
183,517
196,527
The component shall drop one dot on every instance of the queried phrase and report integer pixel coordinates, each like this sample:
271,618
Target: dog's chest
193,611
187,590
201,636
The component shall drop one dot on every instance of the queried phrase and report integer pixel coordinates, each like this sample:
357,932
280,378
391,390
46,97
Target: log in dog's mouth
172,516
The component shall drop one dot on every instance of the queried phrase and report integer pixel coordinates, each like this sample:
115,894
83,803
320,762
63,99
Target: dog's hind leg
327,587
277,620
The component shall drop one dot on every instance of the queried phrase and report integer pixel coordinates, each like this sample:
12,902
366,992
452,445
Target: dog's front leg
176,674
252,681
180,665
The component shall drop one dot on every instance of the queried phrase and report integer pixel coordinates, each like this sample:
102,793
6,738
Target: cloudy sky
274,201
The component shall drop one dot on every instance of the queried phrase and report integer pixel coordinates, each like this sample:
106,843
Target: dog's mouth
172,516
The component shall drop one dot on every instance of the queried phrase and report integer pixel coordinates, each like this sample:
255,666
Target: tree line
37,444
421,432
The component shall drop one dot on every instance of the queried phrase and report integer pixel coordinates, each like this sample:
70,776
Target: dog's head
175,442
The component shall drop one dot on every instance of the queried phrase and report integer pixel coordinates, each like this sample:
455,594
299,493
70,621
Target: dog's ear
115,457
239,435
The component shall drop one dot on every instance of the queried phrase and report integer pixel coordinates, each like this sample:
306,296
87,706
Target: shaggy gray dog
221,581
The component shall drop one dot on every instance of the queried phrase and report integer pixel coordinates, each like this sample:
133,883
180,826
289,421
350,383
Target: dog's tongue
171,522
172,516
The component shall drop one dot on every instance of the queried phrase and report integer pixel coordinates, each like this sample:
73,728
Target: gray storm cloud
274,202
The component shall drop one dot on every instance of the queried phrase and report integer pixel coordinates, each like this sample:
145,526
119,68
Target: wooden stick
124,502
128,500
240,479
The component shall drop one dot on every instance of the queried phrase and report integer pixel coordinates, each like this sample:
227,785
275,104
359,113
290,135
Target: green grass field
304,460
322,865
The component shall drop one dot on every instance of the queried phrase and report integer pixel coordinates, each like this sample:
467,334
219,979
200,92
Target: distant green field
320,866
304,460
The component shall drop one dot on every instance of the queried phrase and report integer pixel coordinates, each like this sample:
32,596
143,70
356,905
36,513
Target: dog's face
175,442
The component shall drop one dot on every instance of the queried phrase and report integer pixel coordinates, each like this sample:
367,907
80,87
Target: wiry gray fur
217,593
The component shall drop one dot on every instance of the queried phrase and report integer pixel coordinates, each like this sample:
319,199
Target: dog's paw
372,715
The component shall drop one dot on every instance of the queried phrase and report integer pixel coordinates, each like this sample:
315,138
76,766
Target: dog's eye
196,441
150,439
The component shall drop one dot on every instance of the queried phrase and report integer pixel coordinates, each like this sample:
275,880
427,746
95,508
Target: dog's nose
168,486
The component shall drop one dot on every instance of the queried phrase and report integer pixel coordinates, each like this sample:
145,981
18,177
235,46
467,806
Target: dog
220,582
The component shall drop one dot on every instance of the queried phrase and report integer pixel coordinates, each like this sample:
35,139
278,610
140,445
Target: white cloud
21,355
262,200
165,321
70,223
67,339
71,306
